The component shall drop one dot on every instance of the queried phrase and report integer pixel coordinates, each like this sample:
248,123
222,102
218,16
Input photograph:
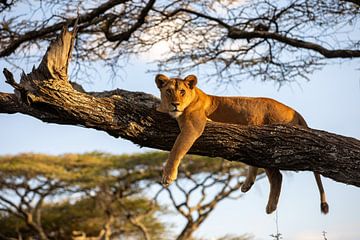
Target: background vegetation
102,196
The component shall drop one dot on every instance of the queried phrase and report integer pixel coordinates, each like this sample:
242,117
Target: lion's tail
323,204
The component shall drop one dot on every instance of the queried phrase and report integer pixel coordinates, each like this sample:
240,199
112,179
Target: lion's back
255,111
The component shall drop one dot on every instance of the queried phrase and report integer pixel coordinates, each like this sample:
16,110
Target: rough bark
47,94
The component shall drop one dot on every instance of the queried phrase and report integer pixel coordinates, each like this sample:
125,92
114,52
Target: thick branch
132,115
235,33
124,36
328,53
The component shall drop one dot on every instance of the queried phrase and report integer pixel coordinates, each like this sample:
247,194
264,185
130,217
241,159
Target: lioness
192,108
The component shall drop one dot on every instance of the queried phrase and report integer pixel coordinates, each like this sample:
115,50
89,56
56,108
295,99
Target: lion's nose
175,104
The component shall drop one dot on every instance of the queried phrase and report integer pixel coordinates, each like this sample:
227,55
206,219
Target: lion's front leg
191,129
169,173
182,145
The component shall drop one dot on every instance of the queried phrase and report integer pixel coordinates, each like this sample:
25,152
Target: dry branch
235,33
46,94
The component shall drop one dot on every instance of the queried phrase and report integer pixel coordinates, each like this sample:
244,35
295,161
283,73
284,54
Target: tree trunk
46,94
187,232
37,228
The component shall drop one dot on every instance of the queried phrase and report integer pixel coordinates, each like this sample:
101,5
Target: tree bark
47,94
188,231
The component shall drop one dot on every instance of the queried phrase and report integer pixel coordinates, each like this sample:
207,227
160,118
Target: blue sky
330,101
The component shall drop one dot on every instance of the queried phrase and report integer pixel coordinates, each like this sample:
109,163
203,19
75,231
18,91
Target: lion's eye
182,92
168,92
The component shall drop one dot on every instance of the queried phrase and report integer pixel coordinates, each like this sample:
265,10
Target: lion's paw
246,186
168,177
166,181
271,207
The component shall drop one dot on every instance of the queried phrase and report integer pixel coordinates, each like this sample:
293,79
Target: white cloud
159,51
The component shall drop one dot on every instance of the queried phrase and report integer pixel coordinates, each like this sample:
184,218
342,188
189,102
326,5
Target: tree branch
235,33
33,34
328,53
46,94
357,2
124,36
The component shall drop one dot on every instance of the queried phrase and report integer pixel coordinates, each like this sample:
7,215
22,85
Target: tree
47,94
102,196
85,219
266,39
24,192
50,197
254,43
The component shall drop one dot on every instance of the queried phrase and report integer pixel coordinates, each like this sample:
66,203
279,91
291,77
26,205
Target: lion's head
176,93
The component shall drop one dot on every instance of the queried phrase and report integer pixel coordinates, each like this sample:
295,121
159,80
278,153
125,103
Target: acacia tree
254,38
101,196
30,202
50,197
25,187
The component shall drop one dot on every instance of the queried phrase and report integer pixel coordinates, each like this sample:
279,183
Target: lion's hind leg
275,179
250,179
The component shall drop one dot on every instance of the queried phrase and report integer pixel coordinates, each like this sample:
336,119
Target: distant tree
31,182
102,196
85,219
25,185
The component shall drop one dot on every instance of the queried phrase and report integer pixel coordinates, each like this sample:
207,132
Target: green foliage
87,192
59,220
87,216
10,225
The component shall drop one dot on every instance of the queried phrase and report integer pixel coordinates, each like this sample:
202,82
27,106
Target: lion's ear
160,80
191,81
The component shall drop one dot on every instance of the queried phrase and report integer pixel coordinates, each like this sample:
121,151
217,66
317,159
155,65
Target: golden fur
192,108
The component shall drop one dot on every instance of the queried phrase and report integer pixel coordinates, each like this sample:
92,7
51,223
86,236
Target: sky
329,101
